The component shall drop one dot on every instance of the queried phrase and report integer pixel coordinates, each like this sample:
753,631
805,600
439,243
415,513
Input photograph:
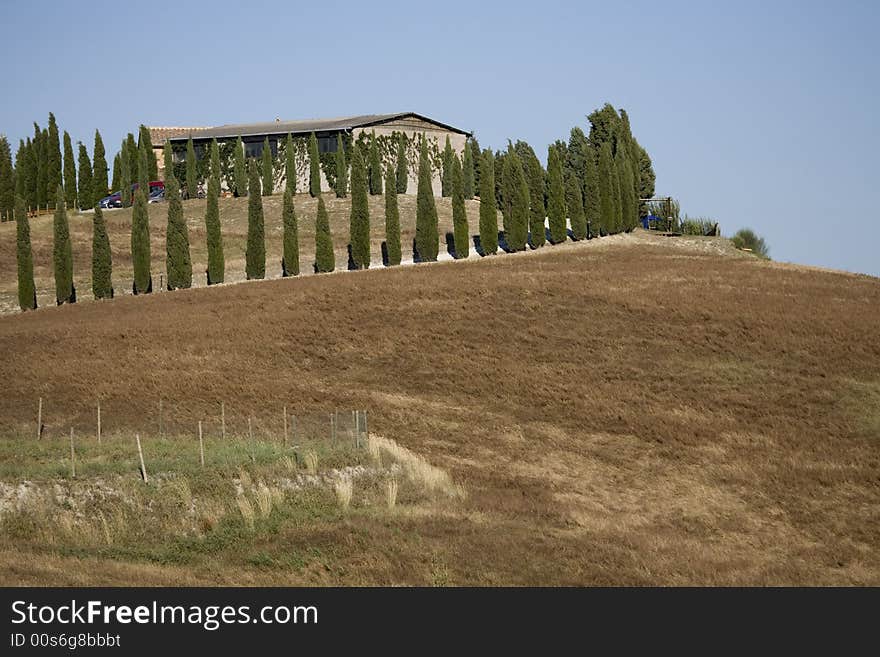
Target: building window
255,148
327,144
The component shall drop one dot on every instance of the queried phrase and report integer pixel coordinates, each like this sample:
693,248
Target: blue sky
757,114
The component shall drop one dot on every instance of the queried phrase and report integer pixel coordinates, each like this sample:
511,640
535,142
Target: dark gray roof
306,126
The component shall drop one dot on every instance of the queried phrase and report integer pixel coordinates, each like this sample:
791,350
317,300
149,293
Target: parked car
115,199
157,196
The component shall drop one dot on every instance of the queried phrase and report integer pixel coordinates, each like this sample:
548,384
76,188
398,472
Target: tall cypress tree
508,188
143,170
20,175
140,243
617,212
402,174
556,197
606,190
467,172
627,195
341,169
534,173
62,253
460,232
31,163
518,225
290,251
178,265
27,292
86,184
116,182
375,169
647,179
133,157
7,181
125,175
102,259
69,173
168,159
592,192
325,259
575,206
268,173
53,161
192,179
216,271
477,159
255,253
427,236
360,209
314,167
392,218
289,165
240,170
99,169
42,166
146,142
446,173
488,209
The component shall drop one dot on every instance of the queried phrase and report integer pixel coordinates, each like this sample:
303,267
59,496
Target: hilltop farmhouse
327,131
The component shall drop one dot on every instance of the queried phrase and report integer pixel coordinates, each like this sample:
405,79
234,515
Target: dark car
115,199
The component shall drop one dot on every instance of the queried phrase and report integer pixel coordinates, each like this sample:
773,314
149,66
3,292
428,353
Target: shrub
747,239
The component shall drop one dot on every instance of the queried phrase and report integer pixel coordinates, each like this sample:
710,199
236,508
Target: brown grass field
632,410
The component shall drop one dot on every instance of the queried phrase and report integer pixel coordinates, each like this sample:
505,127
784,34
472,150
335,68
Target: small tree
556,197
102,259
467,172
143,170
116,182
27,292
402,167
62,253
375,171
53,161
460,231
290,254
488,209
140,244
314,167
255,253
518,224
7,181
168,159
240,170
325,259
392,218
341,169
69,173
592,198
289,165
749,240
125,176
575,207
192,178
360,210
427,236
216,260
268,173
84,195
178,264
477,158
446,173
131,150
99,169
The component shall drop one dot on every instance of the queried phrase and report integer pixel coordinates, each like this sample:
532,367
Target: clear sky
758,114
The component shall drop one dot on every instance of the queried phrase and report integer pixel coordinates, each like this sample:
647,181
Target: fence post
40,419
141,457
72,456
99,422
201,446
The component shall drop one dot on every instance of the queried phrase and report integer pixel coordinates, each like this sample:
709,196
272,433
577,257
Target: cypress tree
518,225
86,183
392,218
289,165
42,164
102,260
216,271
178,265
647,178
53,161
145,141
467,172
508,189
488,210
116,183
268,173
627,196
375,169
592,194
255,253
69,173
360,210
325,259
556,197
615,196
125,177
99,169
62,253
341,169
632,156
460,231
575,206
29,160
21,173
140,243
477,159
402,176
446,173
168,159
133,157
192,179
27,292
534,173
290,255
240,170
143,170
606,190
7,181
427,236
314,167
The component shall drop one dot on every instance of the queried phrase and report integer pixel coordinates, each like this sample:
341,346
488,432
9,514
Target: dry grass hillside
631,410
